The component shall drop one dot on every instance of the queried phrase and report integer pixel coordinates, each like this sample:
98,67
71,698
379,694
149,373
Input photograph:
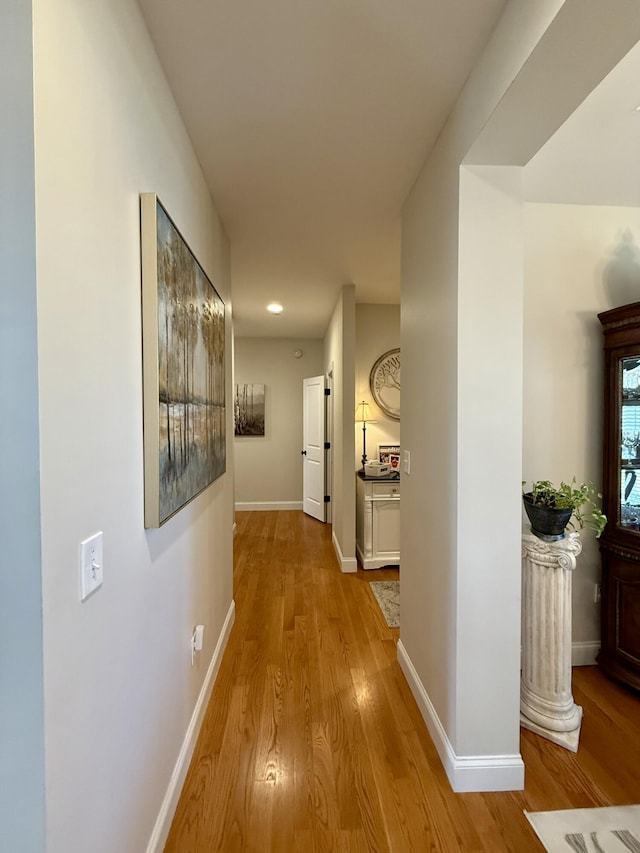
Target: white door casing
313,438
328,438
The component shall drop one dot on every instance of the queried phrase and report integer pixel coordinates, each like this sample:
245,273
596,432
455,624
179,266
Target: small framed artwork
248,409
394,461
386,452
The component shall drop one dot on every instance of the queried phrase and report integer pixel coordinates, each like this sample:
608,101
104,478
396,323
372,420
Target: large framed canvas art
183,346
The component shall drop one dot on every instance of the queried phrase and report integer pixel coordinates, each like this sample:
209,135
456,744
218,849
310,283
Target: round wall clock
384,382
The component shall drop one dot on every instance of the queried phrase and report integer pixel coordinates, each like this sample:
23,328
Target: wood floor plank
312,740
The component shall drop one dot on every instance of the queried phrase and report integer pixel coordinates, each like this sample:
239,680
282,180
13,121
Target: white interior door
313,432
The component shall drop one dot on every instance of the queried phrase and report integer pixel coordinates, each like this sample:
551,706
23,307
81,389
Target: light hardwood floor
312,740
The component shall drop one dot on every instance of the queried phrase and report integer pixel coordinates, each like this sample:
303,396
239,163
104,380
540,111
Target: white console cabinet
377,521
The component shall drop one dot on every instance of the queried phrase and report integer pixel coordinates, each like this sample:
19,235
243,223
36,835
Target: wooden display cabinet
619,655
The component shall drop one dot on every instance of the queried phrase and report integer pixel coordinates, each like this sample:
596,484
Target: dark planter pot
547,523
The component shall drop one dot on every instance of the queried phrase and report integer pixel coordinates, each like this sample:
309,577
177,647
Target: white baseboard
170,801
466,773
347,564
584,654
266,506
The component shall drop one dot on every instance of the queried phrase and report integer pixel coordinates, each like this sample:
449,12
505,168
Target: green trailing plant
583,499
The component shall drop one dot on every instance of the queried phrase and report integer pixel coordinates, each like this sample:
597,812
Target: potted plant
552,508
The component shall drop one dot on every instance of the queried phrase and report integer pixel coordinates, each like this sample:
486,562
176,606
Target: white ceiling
311,119
594,158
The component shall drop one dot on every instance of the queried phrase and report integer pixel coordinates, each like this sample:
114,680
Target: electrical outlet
197,642
91,565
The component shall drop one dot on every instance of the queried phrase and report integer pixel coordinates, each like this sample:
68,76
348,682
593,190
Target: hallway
312,740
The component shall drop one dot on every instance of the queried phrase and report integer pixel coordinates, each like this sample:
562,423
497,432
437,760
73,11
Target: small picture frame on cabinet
386,451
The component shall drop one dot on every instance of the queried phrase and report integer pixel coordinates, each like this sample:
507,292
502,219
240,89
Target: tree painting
384,382
249,410
191,387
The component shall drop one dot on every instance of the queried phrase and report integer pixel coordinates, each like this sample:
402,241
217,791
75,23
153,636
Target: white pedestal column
546,701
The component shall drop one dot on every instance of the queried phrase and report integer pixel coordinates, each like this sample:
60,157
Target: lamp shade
363,413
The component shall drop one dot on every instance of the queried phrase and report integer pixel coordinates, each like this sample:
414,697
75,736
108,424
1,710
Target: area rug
387,595
615,829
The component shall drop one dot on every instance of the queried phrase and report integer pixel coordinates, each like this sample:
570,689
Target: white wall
377,331
489,383
579,261
451,314
339,360
268,470
22,813
119,687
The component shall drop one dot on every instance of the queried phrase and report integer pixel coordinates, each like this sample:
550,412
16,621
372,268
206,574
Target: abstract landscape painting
249,410
183,354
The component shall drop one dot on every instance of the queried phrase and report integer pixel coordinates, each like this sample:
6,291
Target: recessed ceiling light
275,308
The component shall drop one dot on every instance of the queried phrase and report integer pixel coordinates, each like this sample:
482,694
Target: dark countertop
394,475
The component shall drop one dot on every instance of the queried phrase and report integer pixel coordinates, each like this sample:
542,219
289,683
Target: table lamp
363,416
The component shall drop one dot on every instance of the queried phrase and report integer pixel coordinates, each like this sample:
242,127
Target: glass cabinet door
630,443
619,656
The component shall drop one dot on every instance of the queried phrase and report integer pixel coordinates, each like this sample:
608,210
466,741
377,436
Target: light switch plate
407,462
91,565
